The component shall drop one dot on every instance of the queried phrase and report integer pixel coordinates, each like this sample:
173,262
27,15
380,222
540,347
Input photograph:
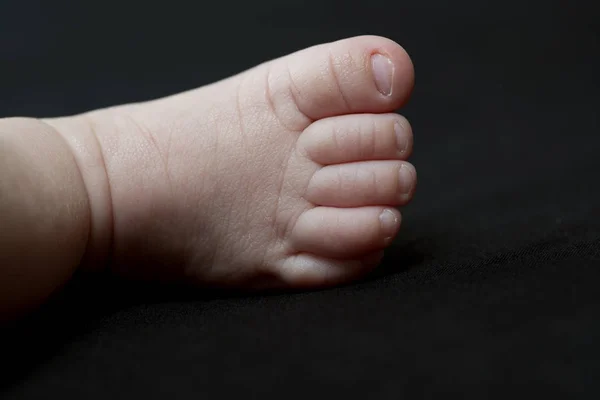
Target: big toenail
406,178
383,71
401,140
389,223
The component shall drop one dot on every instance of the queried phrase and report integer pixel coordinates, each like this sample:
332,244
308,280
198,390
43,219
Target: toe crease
336,80
293,89
271,102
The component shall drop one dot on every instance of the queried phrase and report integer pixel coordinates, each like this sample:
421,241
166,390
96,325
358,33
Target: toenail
406,177
401,140
383,71
389,223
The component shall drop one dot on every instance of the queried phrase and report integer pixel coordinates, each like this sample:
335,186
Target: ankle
81,134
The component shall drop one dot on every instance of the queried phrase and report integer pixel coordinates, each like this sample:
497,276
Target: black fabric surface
490,291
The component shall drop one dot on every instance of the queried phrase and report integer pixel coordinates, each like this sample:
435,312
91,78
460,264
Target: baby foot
286,175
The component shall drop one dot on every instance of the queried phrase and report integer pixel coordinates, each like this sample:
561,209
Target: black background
490,291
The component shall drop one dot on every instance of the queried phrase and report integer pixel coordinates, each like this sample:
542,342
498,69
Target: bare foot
285,175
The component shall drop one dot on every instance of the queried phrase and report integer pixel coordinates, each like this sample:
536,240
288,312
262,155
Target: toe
309,271
345,233
357,137
362,184
366,74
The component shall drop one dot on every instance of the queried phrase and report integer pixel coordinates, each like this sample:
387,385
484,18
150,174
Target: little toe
357,137
362,184
345,233
307,270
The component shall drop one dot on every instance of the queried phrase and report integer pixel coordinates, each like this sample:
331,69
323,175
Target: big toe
366,74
